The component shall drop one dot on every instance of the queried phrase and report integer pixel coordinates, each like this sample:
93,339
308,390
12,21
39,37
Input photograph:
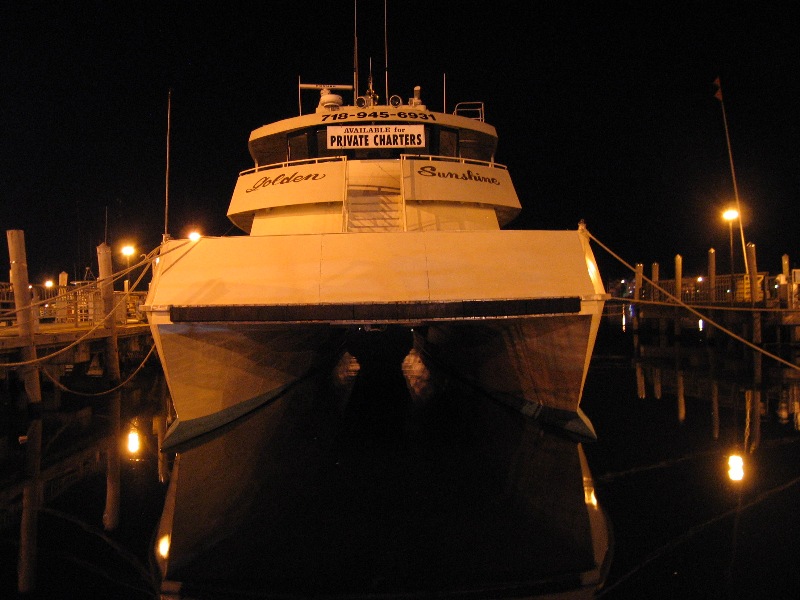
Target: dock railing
723,289
78,304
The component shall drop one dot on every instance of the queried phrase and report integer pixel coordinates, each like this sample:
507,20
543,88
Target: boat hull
218,372
536,365
237,321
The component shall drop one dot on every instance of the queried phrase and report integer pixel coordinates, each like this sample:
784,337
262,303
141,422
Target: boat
363,220
375,247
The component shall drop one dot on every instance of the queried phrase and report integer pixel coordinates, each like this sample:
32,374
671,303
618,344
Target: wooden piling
785,285
676,323
755,296
714,408
32,490
641,389
657,383
637,295
712,275
655,295
111,512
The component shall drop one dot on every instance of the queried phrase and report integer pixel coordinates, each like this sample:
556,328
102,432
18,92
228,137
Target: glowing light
194,236
730,214
128,250
735,467
700,279
163,546
49,283
134,443
700,325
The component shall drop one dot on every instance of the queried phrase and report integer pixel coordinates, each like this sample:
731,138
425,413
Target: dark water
681,528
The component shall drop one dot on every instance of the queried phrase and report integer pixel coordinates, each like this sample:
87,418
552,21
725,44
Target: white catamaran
369,218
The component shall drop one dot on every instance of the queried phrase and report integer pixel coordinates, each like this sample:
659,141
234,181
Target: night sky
605,112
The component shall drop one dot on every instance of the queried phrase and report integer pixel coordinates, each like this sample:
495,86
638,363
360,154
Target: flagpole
718,96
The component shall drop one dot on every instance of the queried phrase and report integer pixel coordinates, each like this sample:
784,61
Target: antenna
166,180
355,50
385,51
444,92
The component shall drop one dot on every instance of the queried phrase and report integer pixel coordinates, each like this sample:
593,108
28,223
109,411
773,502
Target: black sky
605,112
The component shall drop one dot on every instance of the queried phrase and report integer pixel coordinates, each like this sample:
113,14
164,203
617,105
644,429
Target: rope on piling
677,302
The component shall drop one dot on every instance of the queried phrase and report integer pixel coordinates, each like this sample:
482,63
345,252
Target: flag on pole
718,94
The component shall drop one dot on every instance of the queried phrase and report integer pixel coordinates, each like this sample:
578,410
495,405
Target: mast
718,96
166,181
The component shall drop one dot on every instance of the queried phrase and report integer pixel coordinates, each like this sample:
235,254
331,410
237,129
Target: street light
730,216
127,252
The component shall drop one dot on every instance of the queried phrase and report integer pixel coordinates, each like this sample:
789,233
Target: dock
689,332
67,350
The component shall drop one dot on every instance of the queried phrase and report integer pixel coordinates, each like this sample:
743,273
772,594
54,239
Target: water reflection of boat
453,497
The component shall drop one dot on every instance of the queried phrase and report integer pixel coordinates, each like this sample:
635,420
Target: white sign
375,136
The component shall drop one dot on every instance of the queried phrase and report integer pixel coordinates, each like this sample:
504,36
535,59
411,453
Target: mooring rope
64,388
677,302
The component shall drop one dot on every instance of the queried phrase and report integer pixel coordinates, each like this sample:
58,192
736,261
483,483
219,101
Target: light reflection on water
682,527
667,425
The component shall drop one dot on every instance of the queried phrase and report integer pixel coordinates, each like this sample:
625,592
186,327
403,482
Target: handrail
454,159
292,163
466,109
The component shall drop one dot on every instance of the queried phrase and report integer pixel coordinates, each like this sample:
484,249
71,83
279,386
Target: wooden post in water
111,512
641,390
32,490
654,295
757,339
786,282
712,287
712,275
678,293
637,295
714,407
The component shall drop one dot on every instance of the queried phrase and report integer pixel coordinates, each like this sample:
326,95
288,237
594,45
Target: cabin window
322,145
475,145
448,142
269,149
299,145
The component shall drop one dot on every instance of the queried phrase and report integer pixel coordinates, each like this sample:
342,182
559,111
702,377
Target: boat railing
472,110
293,163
